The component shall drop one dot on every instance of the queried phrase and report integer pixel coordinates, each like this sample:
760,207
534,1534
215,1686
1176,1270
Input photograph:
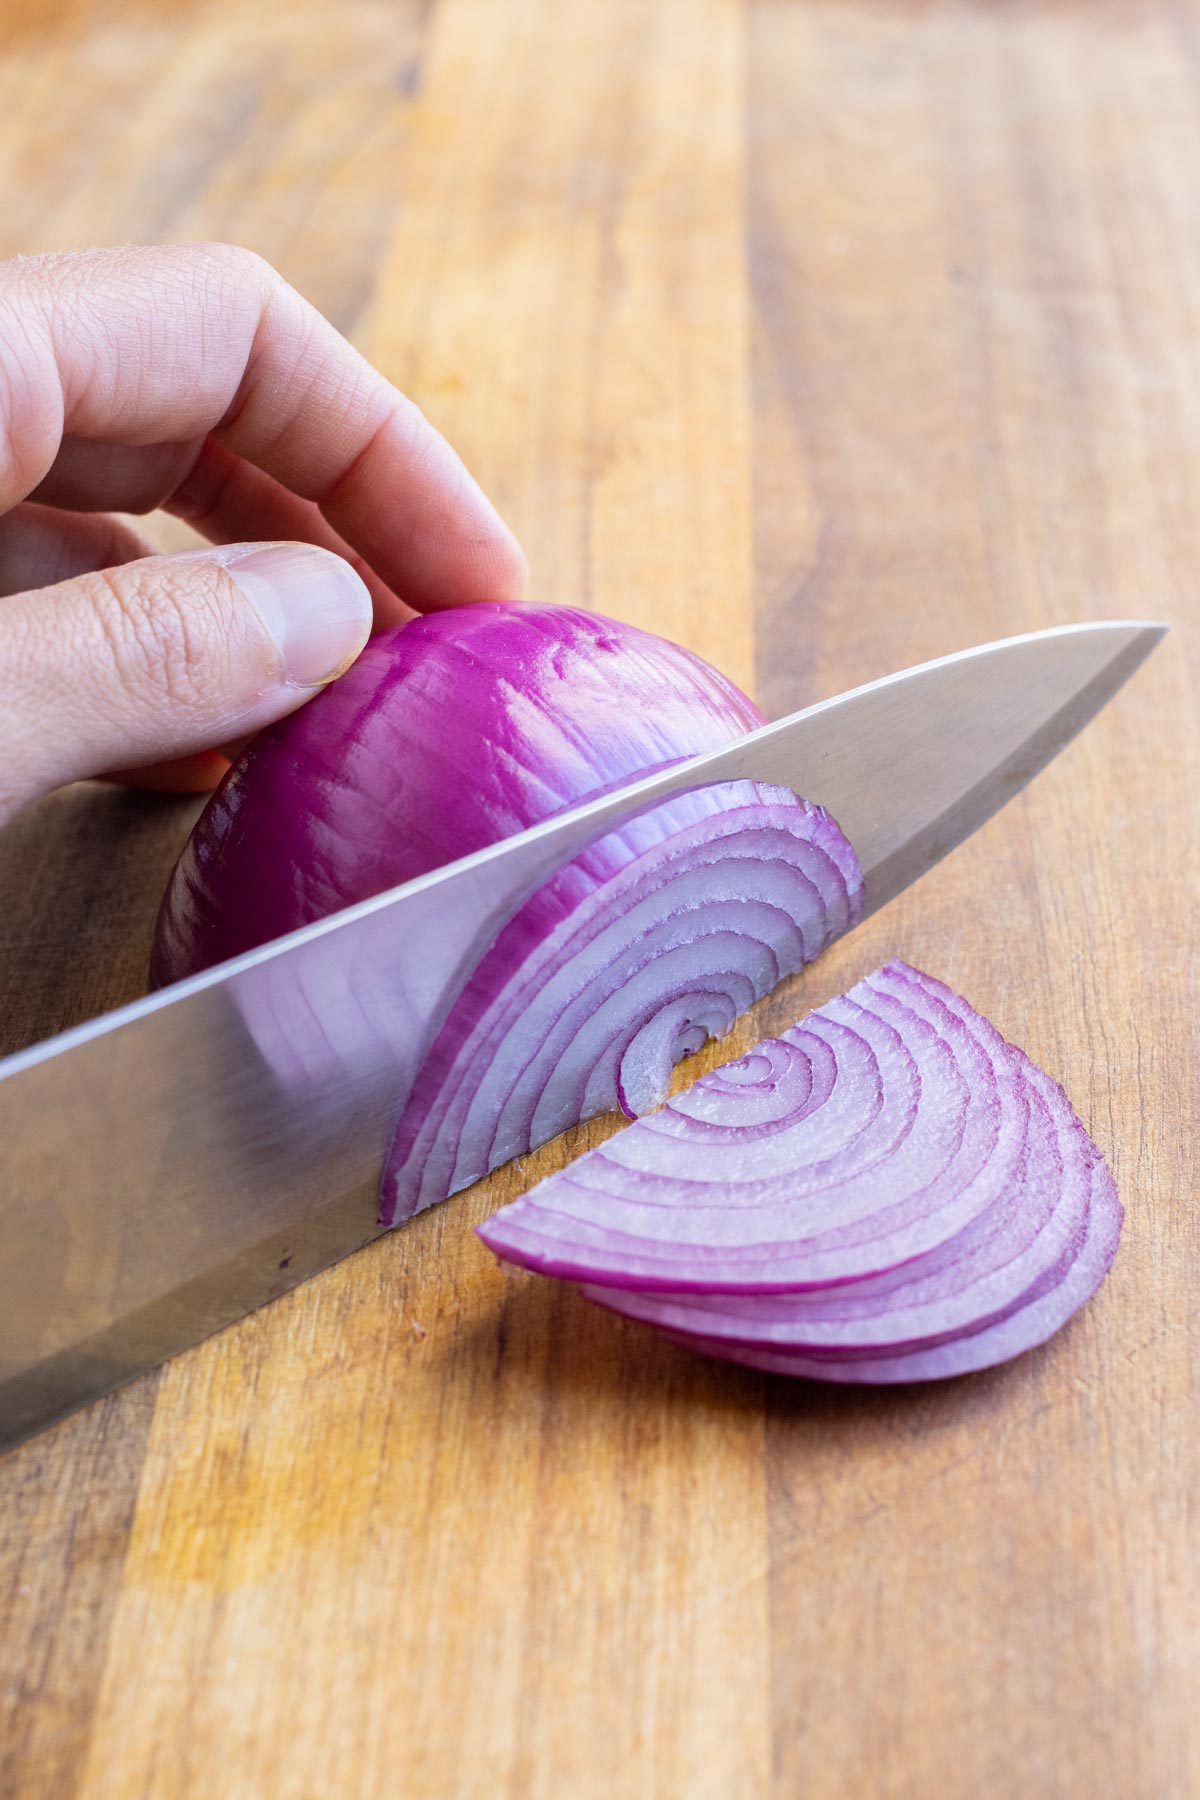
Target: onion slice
595,1012
889,1192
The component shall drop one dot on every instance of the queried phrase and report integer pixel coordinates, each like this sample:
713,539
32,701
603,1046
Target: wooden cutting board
824,338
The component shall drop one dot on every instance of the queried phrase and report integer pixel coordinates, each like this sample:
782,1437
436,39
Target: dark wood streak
77,875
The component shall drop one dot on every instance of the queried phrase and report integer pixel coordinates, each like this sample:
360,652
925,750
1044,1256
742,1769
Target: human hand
195,379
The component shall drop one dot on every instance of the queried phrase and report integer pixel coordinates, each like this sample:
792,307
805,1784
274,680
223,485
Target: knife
172,1165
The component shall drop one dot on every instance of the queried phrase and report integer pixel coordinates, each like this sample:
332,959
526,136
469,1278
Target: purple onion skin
445,736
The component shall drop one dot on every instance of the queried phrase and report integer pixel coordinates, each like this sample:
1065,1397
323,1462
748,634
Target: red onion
889,1192
451,733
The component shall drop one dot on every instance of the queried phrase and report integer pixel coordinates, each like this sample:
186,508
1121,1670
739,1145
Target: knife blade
172,1165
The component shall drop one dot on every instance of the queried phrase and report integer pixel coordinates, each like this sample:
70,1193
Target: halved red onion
453,732
887,1193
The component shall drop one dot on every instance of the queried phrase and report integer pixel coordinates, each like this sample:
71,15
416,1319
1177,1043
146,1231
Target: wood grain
825,338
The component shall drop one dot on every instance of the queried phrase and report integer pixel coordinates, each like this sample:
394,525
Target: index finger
154,345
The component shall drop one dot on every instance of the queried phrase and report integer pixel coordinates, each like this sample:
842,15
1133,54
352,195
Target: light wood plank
516,1538
566,294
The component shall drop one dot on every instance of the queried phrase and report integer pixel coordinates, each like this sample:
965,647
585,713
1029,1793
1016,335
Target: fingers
154,346
165,657
40,546
228,500
90,475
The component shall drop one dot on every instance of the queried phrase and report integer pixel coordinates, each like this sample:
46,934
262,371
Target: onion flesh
889,1192
662,955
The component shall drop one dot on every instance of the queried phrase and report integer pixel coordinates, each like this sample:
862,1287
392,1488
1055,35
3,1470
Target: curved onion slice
658,958
898,1215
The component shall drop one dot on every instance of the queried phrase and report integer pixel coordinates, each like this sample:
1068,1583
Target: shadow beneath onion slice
544,1338
606,1360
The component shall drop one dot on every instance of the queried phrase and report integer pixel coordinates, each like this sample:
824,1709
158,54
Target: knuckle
231,270
237,258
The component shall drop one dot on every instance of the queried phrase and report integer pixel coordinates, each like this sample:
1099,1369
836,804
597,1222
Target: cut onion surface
595,1013
889,1192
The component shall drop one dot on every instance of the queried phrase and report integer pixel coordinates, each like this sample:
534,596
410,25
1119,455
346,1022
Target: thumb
167,656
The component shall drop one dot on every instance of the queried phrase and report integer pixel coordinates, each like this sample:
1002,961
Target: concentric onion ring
596,1014
930,1206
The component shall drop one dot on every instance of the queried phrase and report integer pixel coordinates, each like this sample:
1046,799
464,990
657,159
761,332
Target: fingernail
316,609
